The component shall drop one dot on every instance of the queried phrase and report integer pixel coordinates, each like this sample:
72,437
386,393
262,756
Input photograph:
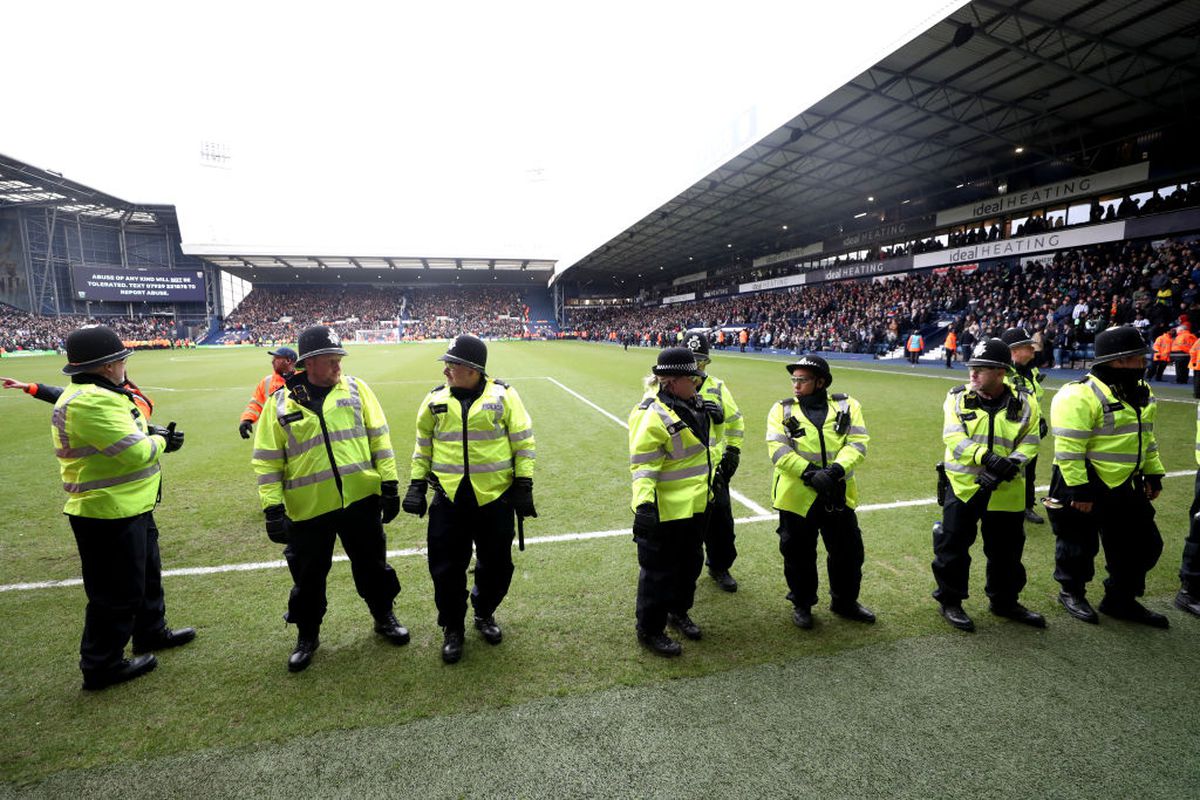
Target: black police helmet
93,346
319,340
814,363
1015,337
696,340
467,350
284,352
674,361
1118,342
993,353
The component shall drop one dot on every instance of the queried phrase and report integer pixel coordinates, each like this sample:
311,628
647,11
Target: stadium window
1079,214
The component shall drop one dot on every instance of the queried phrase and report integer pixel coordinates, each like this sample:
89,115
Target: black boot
492,634
1188,601
163,639
387,626
1132,611
802,617
452,645
307,643
660,643
1019,613
1078,607
123,671
853,611
683,623
723,579
955,615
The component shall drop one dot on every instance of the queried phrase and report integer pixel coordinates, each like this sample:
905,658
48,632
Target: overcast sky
510,129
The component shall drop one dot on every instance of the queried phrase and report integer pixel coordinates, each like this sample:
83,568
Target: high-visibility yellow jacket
109,463
795,443
1095,431
671,467
495,446
732,431
1032,384
262,390
971,431
301,456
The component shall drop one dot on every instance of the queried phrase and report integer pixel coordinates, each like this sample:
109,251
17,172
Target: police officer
1025,377
325,470
727,437
475,446
671,462
283,364
108,455
816,441
1107,472
1188,598
990,432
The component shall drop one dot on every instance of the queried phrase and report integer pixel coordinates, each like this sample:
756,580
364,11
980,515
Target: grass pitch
568,704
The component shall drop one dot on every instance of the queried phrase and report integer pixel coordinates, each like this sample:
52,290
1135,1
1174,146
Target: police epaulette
789,401
499,382
1041,377
839,396
962,387
646,402
438,388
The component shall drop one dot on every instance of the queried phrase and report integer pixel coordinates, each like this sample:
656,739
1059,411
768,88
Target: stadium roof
26,186
998,93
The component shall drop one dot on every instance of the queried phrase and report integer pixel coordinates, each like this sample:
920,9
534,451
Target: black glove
521,497
715,411
414,500
988,480
729,462
279,527
174,438
389,501
807,475
1043,427
1003,468
645,521
1154,482
245,428
825,481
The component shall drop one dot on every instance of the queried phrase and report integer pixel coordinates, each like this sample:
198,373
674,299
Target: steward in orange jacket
1162,356
1181,348
283,364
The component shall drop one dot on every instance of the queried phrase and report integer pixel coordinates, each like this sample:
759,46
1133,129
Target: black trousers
669,563
949,358
1156,369
1189,570
843,548
1003,543
1121,519
1196,384
122,578
453,529
1181,367
309,554
719,536
1030,481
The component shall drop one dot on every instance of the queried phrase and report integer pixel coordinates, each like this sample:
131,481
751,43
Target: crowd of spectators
279,313
20,330
1065,299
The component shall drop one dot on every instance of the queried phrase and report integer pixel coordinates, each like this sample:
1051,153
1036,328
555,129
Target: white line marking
748,503
766,516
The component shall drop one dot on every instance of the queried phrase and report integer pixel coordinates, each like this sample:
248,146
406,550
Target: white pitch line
736,495
418,551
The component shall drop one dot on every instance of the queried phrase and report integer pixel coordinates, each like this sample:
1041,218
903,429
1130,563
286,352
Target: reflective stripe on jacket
1031,385
264,389
732,431
970,431
670,466
1162,347
299,460
1092,428
820,447
496,445
109,463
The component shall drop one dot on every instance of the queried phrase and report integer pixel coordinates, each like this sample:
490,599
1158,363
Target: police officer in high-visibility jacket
727,439
1188,598
326,470
671,461
475,446
990,431
1107,472
108,455
283,364
1026,377
816,441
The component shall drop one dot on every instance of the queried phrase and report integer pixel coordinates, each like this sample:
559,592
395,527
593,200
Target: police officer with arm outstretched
816,441
671,462
727,434
1107,473
108,455
326,470
475,445
990,430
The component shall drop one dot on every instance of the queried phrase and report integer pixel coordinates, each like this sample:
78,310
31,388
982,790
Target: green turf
568,619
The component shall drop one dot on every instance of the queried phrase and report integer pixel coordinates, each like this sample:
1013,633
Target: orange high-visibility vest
951,341
1194,359
265,388
1183,341
1162,347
